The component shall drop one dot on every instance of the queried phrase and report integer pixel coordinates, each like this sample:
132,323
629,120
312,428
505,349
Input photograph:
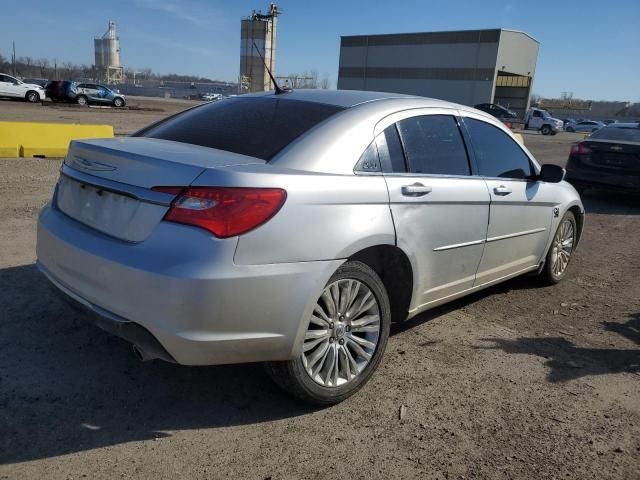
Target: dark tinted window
390,151
258,127
618,134
433,144
497,154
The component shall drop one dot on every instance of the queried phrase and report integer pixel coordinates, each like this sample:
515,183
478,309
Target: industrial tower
107,50
260,29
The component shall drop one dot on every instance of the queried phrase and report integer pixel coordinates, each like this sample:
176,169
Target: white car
584,126
12,87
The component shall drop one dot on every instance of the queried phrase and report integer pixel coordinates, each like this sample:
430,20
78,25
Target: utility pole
13,59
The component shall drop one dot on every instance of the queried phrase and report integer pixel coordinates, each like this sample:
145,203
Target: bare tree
324,83
43,65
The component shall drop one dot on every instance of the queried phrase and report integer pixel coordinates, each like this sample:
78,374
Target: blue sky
590,48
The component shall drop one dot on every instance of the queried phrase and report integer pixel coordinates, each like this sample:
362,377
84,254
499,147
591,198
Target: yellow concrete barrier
519,137
30,139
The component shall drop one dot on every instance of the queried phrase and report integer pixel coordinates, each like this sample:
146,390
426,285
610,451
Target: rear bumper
181,287
580,175
132,332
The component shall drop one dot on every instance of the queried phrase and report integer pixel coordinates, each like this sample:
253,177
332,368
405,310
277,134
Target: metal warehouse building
468,67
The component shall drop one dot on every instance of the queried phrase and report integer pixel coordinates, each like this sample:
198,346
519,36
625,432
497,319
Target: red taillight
224,211
580,149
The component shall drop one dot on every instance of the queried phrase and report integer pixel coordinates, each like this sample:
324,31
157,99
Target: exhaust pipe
141,354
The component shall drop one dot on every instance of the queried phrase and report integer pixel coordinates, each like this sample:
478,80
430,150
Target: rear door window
258,127
496,153
433,145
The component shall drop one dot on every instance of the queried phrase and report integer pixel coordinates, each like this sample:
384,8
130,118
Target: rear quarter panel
325,216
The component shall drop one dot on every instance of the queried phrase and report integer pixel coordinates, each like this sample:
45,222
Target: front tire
571,129
32,97
560,251
545,130
118,102
344,341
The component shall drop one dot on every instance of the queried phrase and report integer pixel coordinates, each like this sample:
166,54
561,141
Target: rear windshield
258,127
618,134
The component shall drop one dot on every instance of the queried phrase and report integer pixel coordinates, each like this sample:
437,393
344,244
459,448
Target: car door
521,209
440,211
11,87
102,94
586,126
4,85
535,121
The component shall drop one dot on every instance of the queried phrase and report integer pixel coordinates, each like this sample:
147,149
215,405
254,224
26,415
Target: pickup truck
537,119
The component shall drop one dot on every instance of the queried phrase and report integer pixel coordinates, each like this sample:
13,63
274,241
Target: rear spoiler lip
139,193
115,145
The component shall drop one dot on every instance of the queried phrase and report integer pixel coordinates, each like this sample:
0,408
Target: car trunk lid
618,156
107,184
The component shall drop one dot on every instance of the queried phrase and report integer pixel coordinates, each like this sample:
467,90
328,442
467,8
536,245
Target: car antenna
279,90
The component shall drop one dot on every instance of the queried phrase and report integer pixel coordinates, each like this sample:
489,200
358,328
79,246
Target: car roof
349,98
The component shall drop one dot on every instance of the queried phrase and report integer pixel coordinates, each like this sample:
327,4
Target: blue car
87,93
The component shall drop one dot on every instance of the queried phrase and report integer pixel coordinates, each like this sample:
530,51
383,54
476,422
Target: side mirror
551,173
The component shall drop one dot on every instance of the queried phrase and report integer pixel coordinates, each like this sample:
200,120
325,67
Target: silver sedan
294,228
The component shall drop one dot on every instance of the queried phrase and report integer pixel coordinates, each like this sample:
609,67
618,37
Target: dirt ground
140,112
518,381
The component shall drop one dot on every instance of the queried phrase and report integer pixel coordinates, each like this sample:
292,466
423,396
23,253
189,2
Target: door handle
415,190
502,190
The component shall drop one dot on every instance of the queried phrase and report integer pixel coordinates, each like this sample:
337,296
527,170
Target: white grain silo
258,29
107,52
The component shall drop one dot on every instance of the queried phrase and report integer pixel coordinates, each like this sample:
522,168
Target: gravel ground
141,112
518,381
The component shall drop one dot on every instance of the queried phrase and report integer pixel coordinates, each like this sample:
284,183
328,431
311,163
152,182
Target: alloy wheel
562,248
343,333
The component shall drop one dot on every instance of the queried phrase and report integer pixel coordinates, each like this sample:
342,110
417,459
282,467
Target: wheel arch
394,268
26,95
578,213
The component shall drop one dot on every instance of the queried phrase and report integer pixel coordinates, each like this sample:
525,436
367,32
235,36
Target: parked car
61,91
13,88
566,121
610,157
215,237
584,126
496,110
92,93
209,97
543,121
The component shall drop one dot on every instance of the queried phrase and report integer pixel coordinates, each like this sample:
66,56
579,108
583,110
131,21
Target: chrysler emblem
95,166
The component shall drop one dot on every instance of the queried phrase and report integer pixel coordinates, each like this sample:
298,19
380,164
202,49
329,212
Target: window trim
407,162
534,165
393,118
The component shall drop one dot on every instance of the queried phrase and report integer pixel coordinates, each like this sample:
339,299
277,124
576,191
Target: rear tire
354,340
82,100
560,251
32,97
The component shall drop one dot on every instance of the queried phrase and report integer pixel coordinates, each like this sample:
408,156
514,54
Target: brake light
224,211
580,149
